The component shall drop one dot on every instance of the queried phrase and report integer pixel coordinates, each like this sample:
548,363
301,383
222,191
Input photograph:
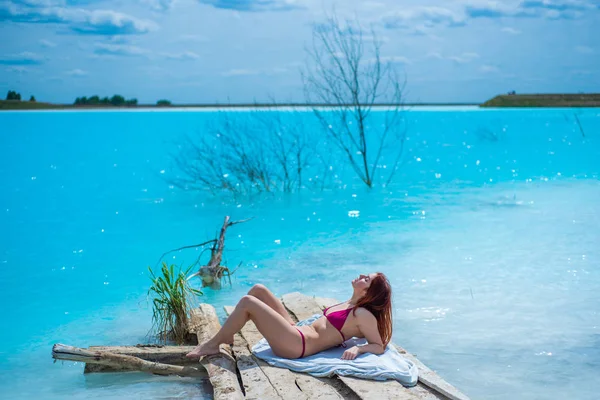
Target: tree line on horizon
116,100
14,96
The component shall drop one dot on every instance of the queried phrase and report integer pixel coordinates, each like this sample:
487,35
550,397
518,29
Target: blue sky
207,51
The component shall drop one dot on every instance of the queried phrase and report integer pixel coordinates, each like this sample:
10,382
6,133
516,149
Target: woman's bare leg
266,296
283,338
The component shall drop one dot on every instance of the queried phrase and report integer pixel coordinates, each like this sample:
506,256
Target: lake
488,233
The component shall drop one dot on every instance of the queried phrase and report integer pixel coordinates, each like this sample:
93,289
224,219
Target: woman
368,314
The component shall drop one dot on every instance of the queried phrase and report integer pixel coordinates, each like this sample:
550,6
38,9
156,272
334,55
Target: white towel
389,365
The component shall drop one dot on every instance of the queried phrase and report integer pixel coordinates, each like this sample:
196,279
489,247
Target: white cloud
158,5
390,59
512,31
240,72
23,58
489,69
47,43
584,50
186,55
76,72
193,38
17,69
250,72
464,58
422,18
83,21
111,49
396,59
550,9
461,59
255,5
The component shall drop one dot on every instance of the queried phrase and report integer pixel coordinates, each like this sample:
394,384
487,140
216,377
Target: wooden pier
237,374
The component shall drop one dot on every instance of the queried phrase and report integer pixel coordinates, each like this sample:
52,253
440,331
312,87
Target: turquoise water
489,235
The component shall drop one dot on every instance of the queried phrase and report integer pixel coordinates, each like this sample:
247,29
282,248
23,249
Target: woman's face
363,282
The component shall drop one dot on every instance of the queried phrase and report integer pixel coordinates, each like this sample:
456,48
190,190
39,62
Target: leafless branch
339,73
184,248
261,151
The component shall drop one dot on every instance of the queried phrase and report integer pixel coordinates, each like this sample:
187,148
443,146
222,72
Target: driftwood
221,367
70,353
155,353
212,273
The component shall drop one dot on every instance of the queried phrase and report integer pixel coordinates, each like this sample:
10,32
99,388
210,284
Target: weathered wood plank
388,390
256,383
432,380
157,353
325,302
324,388
221,367
428,380
425,393
304,307
281,379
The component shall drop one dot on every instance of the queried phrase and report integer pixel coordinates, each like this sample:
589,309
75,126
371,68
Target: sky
237,51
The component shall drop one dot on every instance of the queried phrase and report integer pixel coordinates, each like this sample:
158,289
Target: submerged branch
184,248
579,124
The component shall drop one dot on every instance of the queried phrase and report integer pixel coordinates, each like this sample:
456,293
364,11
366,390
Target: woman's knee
247,301
257,290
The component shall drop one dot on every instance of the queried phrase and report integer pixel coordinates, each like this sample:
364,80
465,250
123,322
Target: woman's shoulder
363,313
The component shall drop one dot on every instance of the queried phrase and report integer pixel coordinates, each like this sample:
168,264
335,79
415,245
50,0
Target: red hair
378,300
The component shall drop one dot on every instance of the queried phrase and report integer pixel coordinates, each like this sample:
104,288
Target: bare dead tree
347,72
213,272
264,150
228,155
288,142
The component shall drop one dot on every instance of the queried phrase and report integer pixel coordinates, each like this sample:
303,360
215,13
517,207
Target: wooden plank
428,380
283,380
304,307
324,302
256,383
290,384
324,388
221,367
425,393
157,353
388,390
432,380
300,305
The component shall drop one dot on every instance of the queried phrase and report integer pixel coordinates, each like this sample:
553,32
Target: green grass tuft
172,300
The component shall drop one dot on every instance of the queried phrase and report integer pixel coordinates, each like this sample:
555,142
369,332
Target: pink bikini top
338,318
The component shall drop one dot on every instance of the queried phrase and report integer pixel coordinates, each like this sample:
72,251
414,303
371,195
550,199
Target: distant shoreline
24,105
550,100
502,101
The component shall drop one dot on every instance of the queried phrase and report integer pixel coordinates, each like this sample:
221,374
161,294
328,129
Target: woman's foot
204,349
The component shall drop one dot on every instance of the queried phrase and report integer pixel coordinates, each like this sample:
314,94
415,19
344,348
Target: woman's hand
351,353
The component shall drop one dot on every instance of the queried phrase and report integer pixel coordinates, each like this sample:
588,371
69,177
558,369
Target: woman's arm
367,324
